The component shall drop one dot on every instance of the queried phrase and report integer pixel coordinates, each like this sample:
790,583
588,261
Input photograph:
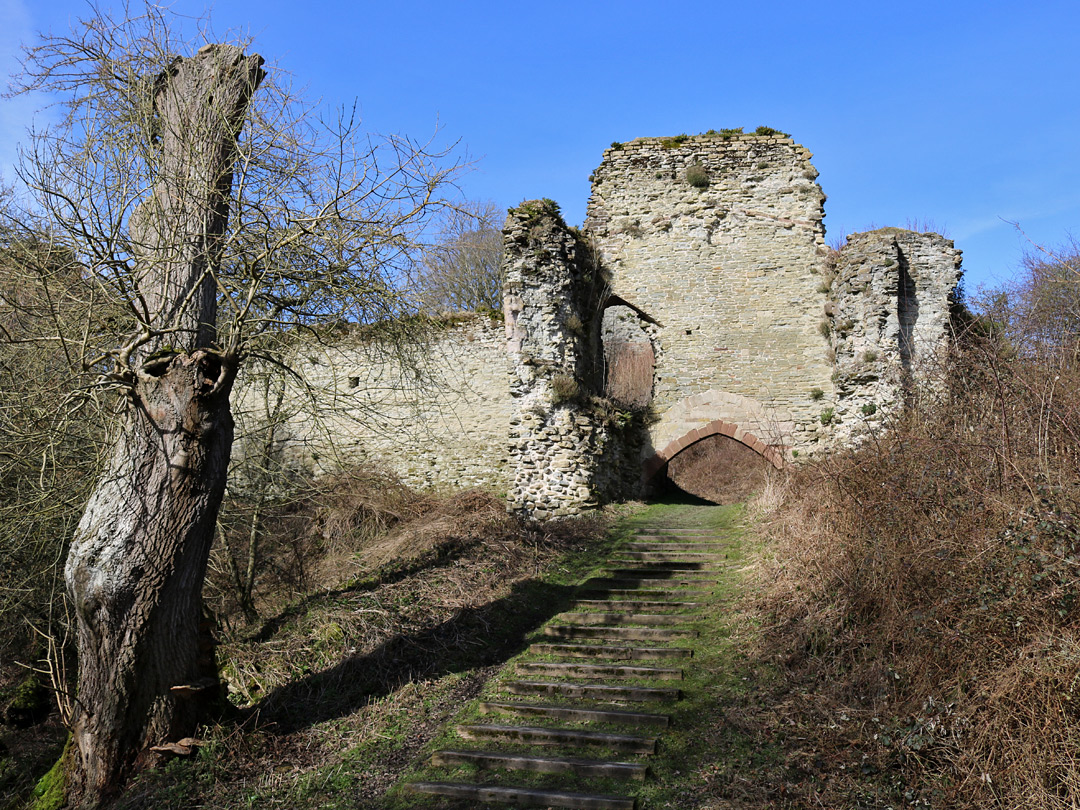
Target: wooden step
575,670
649,593
624,633
524,797
711,539
626,583
666,565
703,548
672,535
643,694
673,556
539,735
535,764
682,530
647,619
658,573
611,653
577,714
634,604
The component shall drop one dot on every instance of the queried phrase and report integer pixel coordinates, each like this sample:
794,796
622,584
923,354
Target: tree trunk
137,561
135,572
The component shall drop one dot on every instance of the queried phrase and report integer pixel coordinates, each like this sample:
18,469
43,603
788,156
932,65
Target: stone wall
888,320
567,449
436,414
698,300
720,242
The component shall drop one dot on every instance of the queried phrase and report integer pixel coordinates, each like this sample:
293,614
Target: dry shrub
304,537
719,469
630,373
925,587
431,523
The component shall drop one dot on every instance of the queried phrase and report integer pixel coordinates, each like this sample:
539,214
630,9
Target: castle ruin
699,299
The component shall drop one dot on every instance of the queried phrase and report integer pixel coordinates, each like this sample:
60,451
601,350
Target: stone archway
720,427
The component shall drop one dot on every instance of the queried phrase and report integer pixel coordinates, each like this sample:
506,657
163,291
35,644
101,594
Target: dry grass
338,691
309,537
924,596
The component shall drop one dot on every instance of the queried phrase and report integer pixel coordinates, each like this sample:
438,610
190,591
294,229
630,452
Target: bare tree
461,272
224,220
48,441
1038,311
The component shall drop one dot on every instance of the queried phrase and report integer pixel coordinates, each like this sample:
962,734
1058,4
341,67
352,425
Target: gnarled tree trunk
137,561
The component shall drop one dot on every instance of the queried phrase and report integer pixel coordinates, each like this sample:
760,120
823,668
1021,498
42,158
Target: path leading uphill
576,721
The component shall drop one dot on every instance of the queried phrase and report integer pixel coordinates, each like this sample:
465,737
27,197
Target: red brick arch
717,427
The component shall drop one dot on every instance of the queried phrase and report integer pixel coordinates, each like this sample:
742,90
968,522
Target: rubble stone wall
888,320
565,449
699,299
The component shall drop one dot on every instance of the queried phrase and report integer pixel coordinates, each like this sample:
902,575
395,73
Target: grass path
712,745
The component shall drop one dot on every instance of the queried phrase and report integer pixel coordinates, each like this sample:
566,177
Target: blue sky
962,113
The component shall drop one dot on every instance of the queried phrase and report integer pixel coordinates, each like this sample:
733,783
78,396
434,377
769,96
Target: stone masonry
887,320
699,299
557,443
720,241
712,252
436,415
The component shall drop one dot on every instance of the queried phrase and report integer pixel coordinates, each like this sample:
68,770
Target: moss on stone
672,143
771,133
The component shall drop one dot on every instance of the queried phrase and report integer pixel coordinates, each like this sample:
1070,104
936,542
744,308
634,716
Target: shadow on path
667,491
474,637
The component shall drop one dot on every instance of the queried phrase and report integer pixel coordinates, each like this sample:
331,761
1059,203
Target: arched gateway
717,427
698,300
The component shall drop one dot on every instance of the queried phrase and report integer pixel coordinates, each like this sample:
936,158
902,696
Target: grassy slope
349,690
348,686
321,740
710,756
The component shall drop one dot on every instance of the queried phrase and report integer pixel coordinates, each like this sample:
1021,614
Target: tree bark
137,562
